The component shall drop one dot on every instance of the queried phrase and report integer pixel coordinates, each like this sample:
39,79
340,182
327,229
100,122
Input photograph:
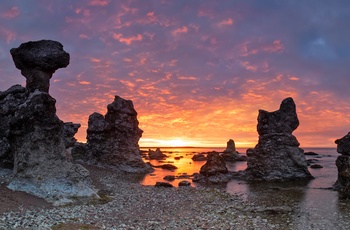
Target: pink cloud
127,40
99,2
12,13
191,78
181,30
226,22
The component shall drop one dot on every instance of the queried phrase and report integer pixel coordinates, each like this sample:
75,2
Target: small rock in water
169,177
184,183
316,166
310,153
199,157
169,167
163,184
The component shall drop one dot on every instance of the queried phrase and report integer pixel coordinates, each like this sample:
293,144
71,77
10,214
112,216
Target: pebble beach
126,204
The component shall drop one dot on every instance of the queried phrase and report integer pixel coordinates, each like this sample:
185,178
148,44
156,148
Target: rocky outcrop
32,141
343,164
70,129
277,155
9,102
156,155
40,165
112,140
38,60
214,165
213,171
230,146
230,154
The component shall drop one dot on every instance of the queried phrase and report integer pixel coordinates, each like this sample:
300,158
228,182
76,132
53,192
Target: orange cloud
84,82
127,40
191,78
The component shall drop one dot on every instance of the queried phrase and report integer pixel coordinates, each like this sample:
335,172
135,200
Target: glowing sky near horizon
197,71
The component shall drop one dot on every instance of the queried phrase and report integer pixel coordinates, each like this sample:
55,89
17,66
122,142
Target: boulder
277,155
156,155
112,140
163,184
343,145
199,157
214,165
184,183
38,60
343,165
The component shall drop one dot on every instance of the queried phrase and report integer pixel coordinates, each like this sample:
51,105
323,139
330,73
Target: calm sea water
315,204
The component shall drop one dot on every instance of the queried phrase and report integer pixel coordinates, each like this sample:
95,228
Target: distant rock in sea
31,134
277,155
230,154
156,155
343,164
213,171
112,140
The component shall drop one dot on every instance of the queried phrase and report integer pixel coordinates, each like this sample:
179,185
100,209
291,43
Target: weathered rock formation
9,102
70,129
213,171
38,60
230,153
343,164
32,141
112,140
214,165
230,147
277,155
156,155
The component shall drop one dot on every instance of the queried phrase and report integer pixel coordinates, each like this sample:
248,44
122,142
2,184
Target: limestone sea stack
343,164
277,155
32,136
112,140
38,60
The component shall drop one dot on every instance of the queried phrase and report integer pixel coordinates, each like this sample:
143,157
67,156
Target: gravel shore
126,204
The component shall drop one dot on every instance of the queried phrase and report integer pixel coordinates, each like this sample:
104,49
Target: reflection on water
312,203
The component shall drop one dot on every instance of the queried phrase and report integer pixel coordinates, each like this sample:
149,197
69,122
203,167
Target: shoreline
133,206
126,204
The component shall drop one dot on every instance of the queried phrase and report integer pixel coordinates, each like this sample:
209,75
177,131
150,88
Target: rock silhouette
112,140
230,154
38,60
70,129
277,155
343,164
32,136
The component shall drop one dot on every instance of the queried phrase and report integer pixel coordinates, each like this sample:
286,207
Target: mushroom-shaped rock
38,60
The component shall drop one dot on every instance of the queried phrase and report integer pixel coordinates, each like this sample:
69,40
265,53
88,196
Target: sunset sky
196,71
